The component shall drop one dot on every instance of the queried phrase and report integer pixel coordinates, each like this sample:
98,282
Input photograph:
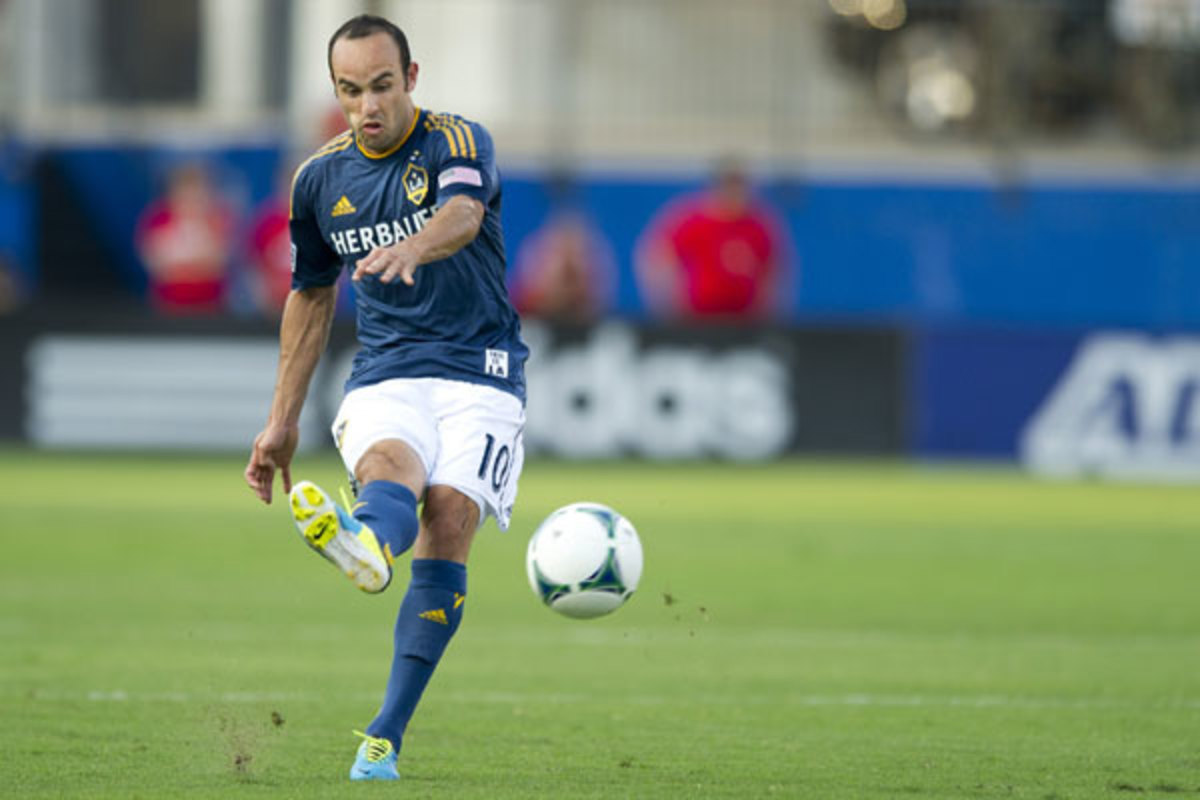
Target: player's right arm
303,334
307,318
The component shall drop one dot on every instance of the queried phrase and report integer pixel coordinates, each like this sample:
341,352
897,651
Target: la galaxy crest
416,183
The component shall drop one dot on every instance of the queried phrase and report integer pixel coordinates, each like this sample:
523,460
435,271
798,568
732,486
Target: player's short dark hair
365,25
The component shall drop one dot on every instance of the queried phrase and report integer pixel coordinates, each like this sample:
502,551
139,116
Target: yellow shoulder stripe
449,138
334,145
462,140
337,139
458,136
470,141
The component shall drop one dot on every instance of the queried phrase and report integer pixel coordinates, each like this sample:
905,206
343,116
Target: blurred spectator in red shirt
268,254
269,251
330,123
720,253
565,270
185,240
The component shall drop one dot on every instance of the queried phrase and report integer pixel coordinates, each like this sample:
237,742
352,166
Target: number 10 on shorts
495,470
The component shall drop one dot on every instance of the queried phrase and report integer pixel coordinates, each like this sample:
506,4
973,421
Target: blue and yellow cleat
376,760
347,543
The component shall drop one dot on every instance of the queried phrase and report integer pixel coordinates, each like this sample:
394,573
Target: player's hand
273,450
389,263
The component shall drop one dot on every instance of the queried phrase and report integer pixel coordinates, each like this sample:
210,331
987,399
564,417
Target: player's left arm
463,157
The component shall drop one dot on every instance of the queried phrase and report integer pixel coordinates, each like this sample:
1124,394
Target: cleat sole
319,533
299,511
367,570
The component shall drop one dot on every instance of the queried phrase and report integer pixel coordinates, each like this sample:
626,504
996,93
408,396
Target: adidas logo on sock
437,615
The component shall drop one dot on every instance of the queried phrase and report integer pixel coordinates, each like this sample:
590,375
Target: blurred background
919,228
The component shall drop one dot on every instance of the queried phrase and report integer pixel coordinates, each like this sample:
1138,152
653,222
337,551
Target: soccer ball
584,560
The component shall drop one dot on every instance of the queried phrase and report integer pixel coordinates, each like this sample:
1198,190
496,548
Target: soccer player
409,202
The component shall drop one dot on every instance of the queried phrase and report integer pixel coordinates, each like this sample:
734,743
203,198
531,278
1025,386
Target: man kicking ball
408,201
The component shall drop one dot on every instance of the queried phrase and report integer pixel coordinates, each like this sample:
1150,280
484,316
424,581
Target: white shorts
468,436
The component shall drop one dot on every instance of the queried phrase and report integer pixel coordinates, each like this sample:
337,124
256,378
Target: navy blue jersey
457,321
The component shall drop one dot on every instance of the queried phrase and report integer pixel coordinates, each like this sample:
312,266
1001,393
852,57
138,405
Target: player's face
373,89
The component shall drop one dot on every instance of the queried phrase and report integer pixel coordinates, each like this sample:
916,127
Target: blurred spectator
12,289
330,123
269,252
565,270
718,253
185,241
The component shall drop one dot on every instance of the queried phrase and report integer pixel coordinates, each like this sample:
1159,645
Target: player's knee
375,465
442,538
390,461
448,524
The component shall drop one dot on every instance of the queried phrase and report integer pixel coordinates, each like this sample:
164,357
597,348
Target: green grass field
824,630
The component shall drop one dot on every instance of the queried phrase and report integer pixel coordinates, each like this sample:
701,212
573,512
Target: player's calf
429,616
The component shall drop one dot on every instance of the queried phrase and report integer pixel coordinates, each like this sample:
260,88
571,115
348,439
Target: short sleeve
465,160
314,263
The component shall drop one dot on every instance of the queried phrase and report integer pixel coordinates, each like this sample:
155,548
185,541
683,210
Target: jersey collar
407,134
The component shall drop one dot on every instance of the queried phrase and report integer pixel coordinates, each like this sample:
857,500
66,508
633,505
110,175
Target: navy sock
390,510
428,617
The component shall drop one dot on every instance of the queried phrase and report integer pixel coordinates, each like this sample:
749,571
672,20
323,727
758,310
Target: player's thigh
480,444
449,520
373,420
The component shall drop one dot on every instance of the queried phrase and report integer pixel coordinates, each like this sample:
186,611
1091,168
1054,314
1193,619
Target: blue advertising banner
919,251
922,252
1106,403
17,252
973,390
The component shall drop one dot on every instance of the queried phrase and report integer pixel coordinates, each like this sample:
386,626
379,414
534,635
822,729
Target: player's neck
407,123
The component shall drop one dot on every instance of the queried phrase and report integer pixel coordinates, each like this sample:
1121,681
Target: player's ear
410,77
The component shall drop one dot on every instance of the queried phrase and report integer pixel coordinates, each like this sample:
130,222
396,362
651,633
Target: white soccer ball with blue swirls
584,560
